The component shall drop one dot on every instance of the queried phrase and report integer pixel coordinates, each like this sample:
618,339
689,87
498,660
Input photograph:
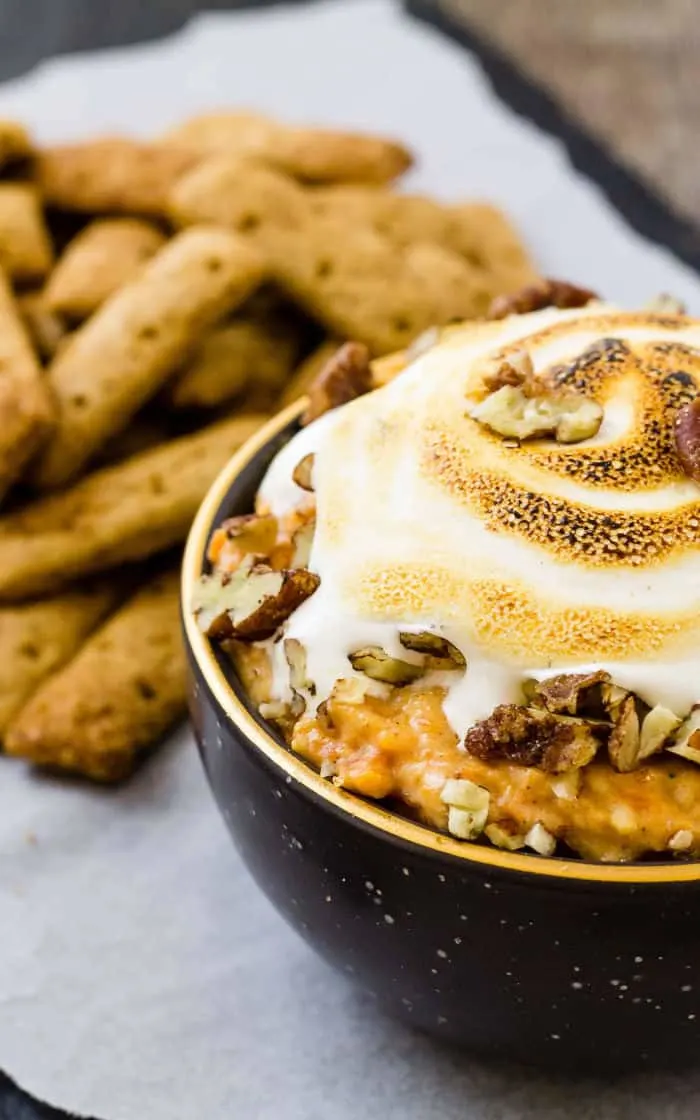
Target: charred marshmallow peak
532,557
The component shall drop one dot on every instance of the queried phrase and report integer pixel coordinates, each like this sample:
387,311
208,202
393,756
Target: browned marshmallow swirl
531,558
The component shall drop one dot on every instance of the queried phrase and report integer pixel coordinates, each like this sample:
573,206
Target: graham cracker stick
313,155
25,247
254,354
119,695
111,175
122,355
107,254
39,638
26,409
121,513
46,329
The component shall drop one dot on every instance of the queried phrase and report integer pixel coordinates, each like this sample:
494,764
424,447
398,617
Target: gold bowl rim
294,768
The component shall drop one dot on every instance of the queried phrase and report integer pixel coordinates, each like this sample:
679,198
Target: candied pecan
344,377
687,434
571,693
532,737
534,297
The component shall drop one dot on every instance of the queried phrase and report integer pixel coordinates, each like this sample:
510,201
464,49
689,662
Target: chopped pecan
376,664
657,727
302,474
571,693
532,737
687,433
624,742
437,651
665,304
345,376
302,540
514,370
534,297
252,603
686,742
515,411
250,534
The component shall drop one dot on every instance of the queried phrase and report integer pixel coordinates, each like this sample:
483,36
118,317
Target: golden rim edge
293,766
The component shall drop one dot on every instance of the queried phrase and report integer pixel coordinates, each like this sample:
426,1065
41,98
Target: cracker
117,514
480,233
254,353
118,696
112,175
39,638
313,155
107,254
25,247
125,352
361,286
26,409
239,194
15,142
46,329
307,371
484,235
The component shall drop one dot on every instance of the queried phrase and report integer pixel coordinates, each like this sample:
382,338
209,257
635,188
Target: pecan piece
532,737
302,474
570,693
514,370
687,433
252,603
516,412
376,664
624,741
344,377
535,297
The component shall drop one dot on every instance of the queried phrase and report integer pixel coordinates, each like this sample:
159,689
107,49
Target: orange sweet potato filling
403,747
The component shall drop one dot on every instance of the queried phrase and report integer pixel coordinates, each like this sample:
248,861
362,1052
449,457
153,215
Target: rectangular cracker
252,354
26,409
480,233
360,286
107,254
26,253
111,175
39,638
15,142
117,514
123,354
312,155
239,194
118,696
46,329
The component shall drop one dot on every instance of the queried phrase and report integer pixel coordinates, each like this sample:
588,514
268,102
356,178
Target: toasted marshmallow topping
531,559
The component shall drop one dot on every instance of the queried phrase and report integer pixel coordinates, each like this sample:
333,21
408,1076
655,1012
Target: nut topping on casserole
508,645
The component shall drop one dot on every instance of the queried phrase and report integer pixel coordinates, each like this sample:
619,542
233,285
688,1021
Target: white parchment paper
142,975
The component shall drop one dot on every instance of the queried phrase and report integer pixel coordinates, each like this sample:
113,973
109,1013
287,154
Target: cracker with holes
312,155
107,254
361,286
117,697
25,247
117,514
239,194
476,231
112,175
26,409
124,353
39,638
252,355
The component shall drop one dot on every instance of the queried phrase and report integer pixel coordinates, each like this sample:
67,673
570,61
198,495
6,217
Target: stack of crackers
158,300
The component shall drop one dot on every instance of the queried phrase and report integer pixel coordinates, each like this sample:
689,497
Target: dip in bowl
444,679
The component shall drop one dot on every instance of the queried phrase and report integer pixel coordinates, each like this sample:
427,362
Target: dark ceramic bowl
547,961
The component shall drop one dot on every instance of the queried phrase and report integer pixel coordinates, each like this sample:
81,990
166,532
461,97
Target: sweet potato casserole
472,581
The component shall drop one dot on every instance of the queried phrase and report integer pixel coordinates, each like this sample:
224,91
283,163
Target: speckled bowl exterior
552,962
